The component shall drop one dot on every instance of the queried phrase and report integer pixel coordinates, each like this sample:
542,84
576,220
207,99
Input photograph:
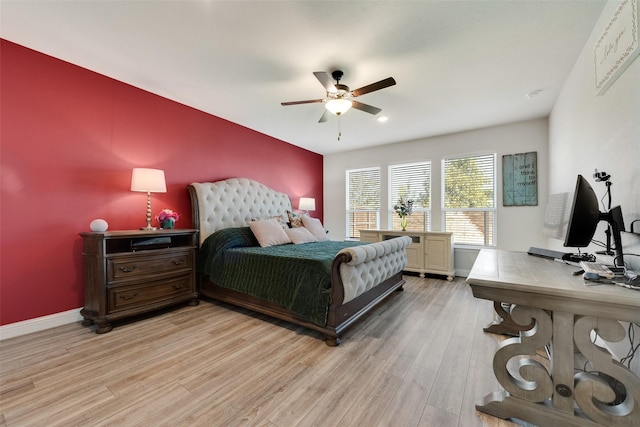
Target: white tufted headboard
232,203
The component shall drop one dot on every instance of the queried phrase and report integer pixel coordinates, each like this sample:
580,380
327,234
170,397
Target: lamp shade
307,204
338,106
148,180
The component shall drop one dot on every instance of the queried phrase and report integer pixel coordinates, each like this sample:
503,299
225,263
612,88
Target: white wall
587,131
518,227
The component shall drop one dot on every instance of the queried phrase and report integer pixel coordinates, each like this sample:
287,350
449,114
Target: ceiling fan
339,98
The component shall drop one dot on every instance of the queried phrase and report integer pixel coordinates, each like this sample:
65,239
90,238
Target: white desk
564,312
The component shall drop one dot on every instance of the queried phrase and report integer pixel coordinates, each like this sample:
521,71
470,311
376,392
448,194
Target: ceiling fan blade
364,107
324,117
325,81
309,101
389,81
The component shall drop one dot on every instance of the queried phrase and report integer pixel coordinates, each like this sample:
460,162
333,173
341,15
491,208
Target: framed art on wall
520,179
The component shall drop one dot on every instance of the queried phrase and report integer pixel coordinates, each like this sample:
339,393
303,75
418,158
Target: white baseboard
462,273
39,324
464,259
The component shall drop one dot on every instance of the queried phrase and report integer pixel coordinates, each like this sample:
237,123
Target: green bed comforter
297,277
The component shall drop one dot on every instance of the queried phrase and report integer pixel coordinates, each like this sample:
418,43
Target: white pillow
300,235
315,227
269,232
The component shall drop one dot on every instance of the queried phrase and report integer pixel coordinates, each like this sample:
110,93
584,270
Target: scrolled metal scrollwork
595,391
535,383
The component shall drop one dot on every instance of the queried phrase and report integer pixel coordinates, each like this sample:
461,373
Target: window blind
363,200
411,181
468,199
469,182
363,189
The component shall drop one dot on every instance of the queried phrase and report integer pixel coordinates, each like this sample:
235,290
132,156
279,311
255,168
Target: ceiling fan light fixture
338,106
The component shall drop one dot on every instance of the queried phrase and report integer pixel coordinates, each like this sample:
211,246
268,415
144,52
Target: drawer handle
129,297
179,287
177,262
126,269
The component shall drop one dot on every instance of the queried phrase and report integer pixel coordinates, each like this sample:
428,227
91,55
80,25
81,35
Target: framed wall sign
618,45
520,179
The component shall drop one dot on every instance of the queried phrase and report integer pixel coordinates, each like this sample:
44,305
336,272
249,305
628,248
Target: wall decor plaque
617,47
520,179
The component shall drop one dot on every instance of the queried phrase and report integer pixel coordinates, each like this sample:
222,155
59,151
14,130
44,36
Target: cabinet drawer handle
127,269
177,262
129,297
179,287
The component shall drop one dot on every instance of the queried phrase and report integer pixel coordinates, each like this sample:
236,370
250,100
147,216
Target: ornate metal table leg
506,325
602,392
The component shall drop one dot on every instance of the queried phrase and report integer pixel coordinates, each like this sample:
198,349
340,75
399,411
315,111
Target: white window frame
421,215
487,214
371,212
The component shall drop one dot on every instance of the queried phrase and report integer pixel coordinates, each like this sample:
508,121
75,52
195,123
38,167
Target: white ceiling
459,65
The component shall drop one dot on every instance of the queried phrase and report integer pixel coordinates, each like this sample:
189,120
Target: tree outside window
469,199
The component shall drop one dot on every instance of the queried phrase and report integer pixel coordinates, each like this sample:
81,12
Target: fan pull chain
339,128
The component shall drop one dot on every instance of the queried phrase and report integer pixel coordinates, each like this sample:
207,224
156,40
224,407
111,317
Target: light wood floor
420,359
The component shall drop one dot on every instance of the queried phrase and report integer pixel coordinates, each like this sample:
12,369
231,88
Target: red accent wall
69,139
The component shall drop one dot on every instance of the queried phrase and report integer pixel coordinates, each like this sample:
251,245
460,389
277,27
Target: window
411,181
468,197
363,200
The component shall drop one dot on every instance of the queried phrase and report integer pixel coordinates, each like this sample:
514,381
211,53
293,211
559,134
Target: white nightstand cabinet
430,251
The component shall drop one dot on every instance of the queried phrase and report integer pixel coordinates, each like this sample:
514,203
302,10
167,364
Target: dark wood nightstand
127,273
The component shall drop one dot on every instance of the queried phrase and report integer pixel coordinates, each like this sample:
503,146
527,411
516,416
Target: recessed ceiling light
383,119
534,93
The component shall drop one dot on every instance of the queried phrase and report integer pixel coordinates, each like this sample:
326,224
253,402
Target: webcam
601,176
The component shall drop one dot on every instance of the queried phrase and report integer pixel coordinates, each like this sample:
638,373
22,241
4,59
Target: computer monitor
584,218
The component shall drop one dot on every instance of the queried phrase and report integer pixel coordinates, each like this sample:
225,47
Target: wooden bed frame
218,214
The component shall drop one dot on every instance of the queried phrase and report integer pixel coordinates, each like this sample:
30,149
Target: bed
325,285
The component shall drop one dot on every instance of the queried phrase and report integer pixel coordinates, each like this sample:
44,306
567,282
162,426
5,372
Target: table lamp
149,181
307,204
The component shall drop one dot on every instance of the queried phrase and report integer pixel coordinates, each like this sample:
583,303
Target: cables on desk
615,258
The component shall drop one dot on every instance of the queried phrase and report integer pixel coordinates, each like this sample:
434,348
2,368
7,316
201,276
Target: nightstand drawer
127,267
124,297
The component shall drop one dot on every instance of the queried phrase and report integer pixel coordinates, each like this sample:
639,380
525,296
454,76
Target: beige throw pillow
315,227
268,232
300,235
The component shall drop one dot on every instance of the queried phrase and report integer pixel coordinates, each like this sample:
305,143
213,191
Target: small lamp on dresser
149,181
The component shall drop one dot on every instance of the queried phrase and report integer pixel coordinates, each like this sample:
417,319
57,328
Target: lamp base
148,227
